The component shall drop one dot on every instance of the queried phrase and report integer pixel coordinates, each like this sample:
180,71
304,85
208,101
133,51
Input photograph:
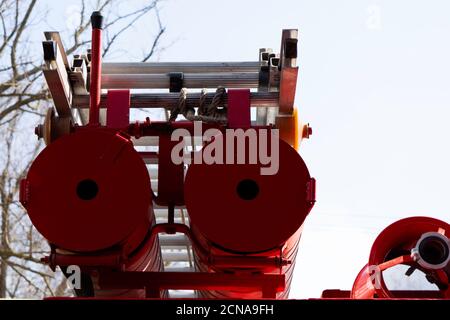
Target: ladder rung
167,100
177,240
190,80
175,256
185,67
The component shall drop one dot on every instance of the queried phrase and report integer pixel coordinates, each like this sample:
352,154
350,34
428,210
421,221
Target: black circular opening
247,189
434,250
87,189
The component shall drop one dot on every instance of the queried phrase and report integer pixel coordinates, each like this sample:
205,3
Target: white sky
374,84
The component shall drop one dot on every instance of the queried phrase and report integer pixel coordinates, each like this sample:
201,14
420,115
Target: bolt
307,131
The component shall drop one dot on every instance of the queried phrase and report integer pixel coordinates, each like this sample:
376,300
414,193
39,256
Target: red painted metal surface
147,258
118,109
95,89
156,282
239,108
393,247
279,261
245,235
262,223
76,190
98,213
150,284
170,175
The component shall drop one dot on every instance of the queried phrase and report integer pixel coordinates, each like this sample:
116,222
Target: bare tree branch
137,15
23,100
156,39
26,278
18,34
20,103
21,266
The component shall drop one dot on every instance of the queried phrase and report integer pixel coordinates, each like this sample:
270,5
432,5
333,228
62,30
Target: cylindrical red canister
238,212
89,193
400,240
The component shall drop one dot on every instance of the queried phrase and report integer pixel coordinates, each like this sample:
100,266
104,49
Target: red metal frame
118,108
96,72
170,175
110,270
155,282
111,265
239,108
